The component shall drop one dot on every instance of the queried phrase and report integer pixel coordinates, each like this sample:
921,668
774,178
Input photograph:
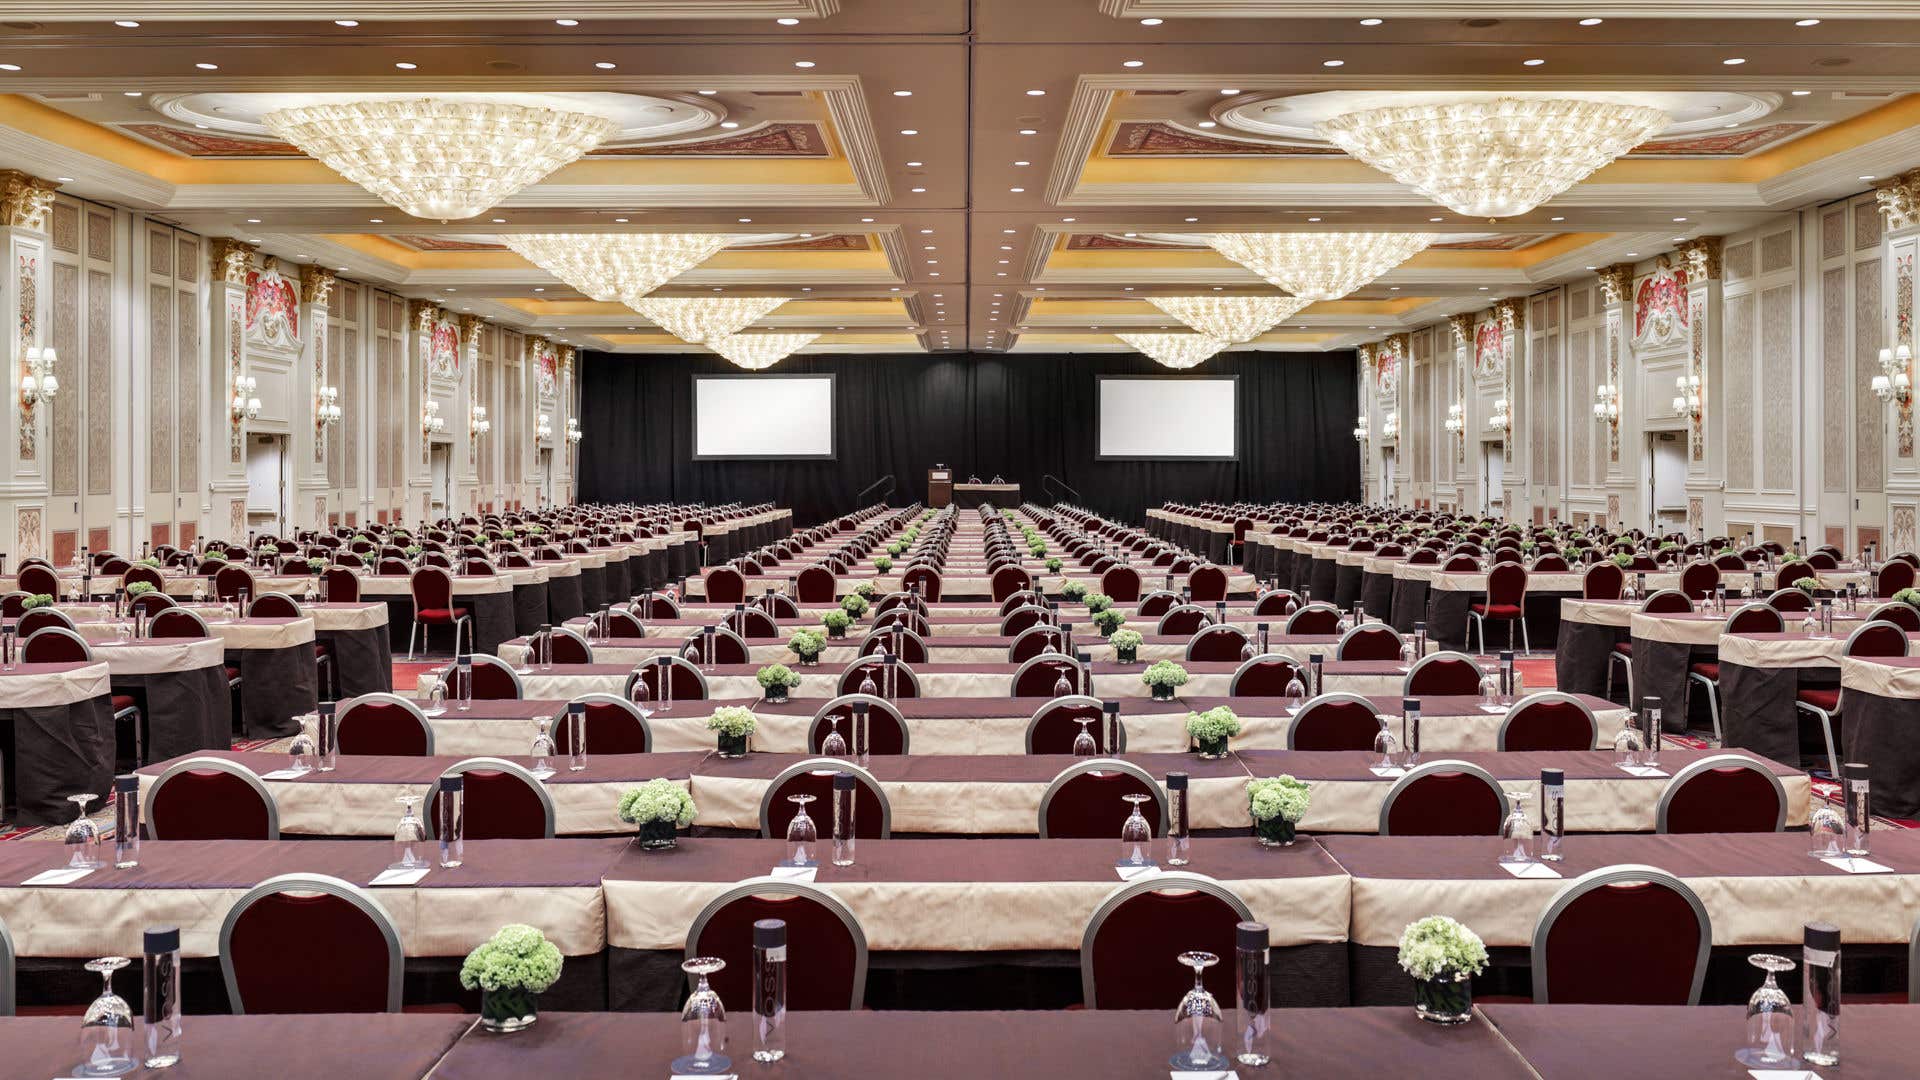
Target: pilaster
25,266
1706,431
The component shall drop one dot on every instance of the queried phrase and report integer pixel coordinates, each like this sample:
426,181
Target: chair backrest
1603,581
813,585
1055,725
1621,935
1157,603
1893,577
1275,601
569,647
1009,580
1221,642
231,580
502,801
685,680
1369,641
1208,584
495,680
882,639
1263,676
309,943
432,589
1122,583
906,683
38,579
1722,793
1184,620
210,798
1790,600
725,585
1548,720
1900,614
1085,801
1755,618
1314,619
1442,674
177,622
152,603
886,728
54,645
1127,951
872,813
1034,640
822,933
752,624
1667,602
1698,579
274,605
614,726
926,577
1040,676
1507,583
1334,722
142,572
1877,639
1444,797
383,724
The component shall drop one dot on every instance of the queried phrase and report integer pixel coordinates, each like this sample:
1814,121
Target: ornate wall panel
64,227
1737,262
1867,227
99,383
64,425
1869,436
187,383
1833,234
1738,383
160,344
1775,393
1835,397
1776,251
1579,396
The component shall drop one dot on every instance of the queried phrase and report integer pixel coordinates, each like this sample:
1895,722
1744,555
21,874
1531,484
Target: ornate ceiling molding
1511,9
25,200
418,10
1462,327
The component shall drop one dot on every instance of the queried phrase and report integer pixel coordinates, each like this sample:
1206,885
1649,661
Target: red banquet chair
1034,640
1335,722
1127,951
1208,584
907,684
1893,577
1316,619
822,933
383,724
231,580
1603,581
614,726
1183,621
872,813
685,680
208,798
1122,583
1157,603
1442,674
502,801
38,579
1548,720
1370,641
1506,602
813,585
1264,676
1444,798
1724,793
340,585
1873,640
309,943
886,728
1749,619
1275,601
1220,643
1009,580
433,605
1086,801
927,578
1621,935
1900,614
725,586
1056,724
1021,619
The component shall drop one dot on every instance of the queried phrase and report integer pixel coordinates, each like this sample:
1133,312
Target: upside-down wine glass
703,1024
107,1046
1199,1030
835,744
1084,744
1770,1025
1136,836
409,831
803,836
83,836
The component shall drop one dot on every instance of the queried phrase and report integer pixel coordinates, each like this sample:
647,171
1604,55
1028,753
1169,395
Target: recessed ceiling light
201,66
1734,61
1633,254
1591,22
1023,163
788,22
1133,63
1309,219
404,65
915,164
1434,219
867,219
1023,131
620,220
729,124
1483,288
744,220
605,65
1806,22
567,22
1208,123
539,288
1558,219
130,93
1036,93
1371,22
709,93
1679,219
1536,62
929,247
1069,220
1016,190
803,63
376,221
1869,178
1151,22
128,23
1228,91
341,269
1000,273
1333,63
253,221
1801,93
909,131
918,190
903,93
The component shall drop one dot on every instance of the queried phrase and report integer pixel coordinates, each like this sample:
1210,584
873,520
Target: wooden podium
939,487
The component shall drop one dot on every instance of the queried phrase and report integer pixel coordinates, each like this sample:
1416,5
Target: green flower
1098,601
732,720
1073,590
776,675
214,557
836,620
883,564
517,957
1053,566
414,549
806,644
150,561
1807,585
865,590
140,588
656,800
1278,797
1164,673
316,565
854,604
1213,725
1909,597
1108,620
1439,945
1623,560
896,548
1125,639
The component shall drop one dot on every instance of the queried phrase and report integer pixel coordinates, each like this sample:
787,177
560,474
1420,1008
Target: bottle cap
162,939
1506,657
126,785
1411,704
1649,702
1111,708
1176,781
1855,770
859,708
1316,658
843,781
453,785
769,933
1419,628
1553,777
1250,936
576,707
1823,936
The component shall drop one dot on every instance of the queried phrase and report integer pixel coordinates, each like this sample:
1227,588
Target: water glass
409,832
107,1046
1199,1030
1136,835
83,836
1084,744
436,696
1770,1023
542,750
703,1024
1516,832
803,836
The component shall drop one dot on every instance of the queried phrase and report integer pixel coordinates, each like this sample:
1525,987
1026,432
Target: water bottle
328,735
1553,813
161,996
1410,729
1859,805
1250,969
1179,835
769,990
126,822
451,822
463,681
843,807
576,736
1820,994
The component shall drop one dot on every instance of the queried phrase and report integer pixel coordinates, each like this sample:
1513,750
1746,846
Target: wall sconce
1360,428
1390,425
326,411
543,428
1894,384
574,434
1456,420
1686,396
1502,418
431,423
1606,404
245,405
477,423
39,382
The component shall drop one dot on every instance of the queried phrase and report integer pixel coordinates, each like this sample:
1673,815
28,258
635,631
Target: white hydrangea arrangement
1164,673
734,721
806,644
657,800
1214,725
1126,639
516,957
1438,945
1281,797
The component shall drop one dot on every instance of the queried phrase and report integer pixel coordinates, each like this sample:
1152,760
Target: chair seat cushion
122,702
321,648
440,614
232,673
1824,700
1624,648
1706,671
1497,611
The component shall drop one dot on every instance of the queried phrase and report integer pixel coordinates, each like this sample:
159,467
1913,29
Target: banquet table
289,1047
1201,535
1371,678
505,728
56,738
1664,647
968,795
1759,890
970,495
181,687
1569,1042
1880,698
957,581
490,597
193,884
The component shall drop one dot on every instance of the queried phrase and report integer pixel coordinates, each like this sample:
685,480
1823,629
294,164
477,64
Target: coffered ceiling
947,175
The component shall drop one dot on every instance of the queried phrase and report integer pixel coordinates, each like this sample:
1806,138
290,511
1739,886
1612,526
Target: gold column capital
25,200
1616,282
231,260
1701,257
316,284
1899,200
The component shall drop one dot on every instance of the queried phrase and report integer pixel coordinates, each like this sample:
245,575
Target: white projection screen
1191,418
763,416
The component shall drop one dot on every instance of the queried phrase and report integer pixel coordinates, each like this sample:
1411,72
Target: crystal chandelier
438,158
616,266
699,319
1320,265
756,352
1236,319
1177,351
1493,158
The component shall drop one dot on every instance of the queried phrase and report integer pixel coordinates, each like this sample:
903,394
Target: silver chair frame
1102,764
320,883
1428,768
1622,874
825,765
771,886
487,764
1719,761
1165,881
211,764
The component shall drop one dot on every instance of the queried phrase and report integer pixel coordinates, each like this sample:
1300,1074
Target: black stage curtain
1021,416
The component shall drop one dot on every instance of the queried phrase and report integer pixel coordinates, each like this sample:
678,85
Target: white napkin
1386,770
60,875
1228,1074
1853,864
1135,873
391,876
1530,870
1642,770
284,774
795,873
